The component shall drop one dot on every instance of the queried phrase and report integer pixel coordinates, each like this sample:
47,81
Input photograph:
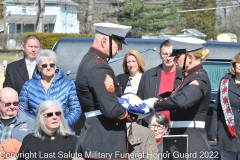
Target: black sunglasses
8,104
51,65
50,114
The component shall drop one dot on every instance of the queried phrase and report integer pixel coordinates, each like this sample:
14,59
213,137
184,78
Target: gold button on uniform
116,124
133,118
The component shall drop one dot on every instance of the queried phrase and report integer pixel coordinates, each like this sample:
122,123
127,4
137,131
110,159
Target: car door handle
213,101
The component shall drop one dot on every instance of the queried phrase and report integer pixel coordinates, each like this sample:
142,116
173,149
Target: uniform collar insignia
101,55
194,70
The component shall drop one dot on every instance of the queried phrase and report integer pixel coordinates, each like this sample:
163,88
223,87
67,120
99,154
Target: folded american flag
137,110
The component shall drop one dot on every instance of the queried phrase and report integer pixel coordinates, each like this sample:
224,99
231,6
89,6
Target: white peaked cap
185,43
111,28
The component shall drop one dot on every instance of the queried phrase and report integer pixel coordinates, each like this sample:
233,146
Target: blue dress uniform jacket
104,133
191,104
218,127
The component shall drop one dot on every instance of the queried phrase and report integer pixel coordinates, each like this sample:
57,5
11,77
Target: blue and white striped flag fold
137,110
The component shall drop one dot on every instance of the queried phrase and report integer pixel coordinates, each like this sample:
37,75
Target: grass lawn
9,57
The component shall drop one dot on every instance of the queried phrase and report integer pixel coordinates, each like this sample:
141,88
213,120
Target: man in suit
19,72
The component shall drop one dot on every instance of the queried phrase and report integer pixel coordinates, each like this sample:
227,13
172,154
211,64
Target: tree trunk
89,16
39,23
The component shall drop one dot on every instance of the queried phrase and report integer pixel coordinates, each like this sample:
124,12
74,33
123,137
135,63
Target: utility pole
4,16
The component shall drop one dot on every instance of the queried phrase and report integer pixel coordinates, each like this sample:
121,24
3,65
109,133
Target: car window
216,70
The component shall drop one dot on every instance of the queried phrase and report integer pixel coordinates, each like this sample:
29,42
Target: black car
70,51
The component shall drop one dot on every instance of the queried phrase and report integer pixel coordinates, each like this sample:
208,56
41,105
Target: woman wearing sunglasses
52,138
48,83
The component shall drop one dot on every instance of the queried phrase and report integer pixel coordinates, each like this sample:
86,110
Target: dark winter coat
62,147
218,127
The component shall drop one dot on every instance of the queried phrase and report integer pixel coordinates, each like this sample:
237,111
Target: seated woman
159,124
133,67
48,83
52,137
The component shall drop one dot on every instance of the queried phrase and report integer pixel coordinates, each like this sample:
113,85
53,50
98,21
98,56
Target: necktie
30,70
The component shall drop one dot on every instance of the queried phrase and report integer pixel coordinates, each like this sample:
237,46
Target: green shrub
49,39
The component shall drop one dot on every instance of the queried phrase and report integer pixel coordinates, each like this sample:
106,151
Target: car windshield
216,70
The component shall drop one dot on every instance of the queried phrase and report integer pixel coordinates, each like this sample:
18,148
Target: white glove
133,100
150,102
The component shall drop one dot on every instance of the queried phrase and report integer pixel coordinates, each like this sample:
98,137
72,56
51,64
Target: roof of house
63,2
194,32
30,19
232,35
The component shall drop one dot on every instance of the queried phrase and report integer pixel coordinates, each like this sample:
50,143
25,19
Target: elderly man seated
14,123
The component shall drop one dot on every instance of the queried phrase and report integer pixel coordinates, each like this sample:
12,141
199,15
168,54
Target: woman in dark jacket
133,67
52,137
225,126
49,83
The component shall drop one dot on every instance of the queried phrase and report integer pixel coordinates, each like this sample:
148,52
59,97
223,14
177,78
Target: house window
28,28
19,27
23,9
46,28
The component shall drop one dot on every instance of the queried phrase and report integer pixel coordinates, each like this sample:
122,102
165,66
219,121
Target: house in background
227,37
60,16
193,33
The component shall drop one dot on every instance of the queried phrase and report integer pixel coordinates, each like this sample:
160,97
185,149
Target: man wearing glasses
14,123
163,78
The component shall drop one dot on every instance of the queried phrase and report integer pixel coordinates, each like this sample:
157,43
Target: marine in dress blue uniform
191,99
104,130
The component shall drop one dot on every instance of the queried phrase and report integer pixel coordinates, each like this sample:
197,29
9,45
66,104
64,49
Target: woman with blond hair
224,127
133,67
191,99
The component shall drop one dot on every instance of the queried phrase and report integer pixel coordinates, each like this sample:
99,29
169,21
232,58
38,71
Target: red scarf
226,107
158,141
